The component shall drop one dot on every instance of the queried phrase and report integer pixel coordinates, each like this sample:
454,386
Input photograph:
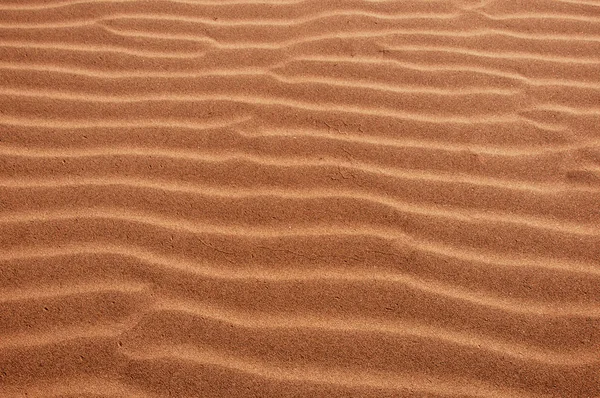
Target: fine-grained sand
243,198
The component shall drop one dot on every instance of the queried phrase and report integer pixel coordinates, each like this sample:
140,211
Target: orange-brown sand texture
300,198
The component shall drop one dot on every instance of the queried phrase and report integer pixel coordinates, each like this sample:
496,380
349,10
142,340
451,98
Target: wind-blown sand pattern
240,198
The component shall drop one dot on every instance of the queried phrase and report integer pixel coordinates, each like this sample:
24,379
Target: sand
242,198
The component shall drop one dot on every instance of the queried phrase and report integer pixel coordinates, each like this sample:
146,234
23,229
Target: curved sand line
453,214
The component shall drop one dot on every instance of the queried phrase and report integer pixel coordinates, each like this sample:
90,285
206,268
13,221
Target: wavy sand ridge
299,198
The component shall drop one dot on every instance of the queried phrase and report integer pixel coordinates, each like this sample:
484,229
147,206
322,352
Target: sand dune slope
299,198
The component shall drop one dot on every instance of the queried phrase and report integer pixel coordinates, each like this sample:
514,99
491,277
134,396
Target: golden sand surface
300,198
